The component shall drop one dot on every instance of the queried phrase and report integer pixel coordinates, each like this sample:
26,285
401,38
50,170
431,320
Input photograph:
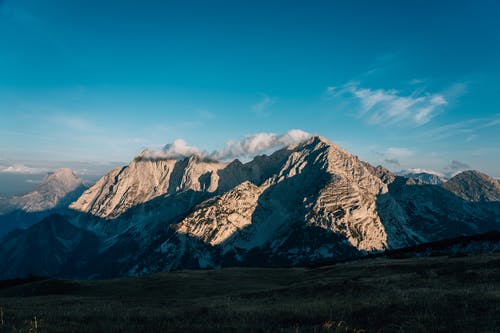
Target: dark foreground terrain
435,294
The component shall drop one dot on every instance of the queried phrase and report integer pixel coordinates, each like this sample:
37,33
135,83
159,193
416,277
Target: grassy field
436,294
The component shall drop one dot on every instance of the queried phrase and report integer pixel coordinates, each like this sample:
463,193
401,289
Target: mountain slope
320,202
53,247
302,190
147,178
474,186
144,179
425,176
54,194
57,189
302,204
433,213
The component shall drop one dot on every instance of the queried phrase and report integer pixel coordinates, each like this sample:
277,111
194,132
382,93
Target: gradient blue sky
405,84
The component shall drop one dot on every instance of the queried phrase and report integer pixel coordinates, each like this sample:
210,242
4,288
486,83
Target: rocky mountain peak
146,178
304,203
473,185
64,177
52,192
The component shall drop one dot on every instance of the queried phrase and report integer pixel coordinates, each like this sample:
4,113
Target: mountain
303,204
147,178
4,203
425,176
56,192
57,189
33,250
474,186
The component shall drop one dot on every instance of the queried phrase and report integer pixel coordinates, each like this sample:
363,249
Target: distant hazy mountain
425,176
51,193
303,204
55,192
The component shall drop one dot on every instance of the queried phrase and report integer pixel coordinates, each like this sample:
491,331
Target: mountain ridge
56,191
304,203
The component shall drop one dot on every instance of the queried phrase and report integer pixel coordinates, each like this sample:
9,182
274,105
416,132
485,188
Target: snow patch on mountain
424,175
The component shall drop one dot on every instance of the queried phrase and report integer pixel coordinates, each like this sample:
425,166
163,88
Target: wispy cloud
394,156
205,114
389,106
493,122
22,169
416,81
398,152
82,168
33,181
468,129
392,161
455,167
72,122
261,108
381,64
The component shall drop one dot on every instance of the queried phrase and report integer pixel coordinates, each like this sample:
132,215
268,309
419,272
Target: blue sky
405,84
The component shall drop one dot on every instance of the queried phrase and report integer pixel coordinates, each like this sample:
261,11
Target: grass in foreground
437,294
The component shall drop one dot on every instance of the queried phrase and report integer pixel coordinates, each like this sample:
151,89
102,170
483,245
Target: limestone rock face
146,179
303,204
217,219
318,185
51,193
474,186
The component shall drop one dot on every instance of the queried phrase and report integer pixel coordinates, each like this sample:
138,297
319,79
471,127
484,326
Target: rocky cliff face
145,179
474,186
57,189
317,185
54,194
304,203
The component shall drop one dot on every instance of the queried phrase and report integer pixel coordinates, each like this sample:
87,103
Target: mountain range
56,191
303,204
425,176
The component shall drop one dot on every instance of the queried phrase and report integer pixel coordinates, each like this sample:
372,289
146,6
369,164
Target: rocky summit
303,204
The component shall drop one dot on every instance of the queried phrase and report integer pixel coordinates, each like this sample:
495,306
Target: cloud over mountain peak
247,147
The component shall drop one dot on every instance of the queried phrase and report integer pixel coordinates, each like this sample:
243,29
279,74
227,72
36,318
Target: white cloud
22,169
330,90
397,152
205,114
468,129
455,167
261,108
394,156
72,122
175,150
493,122
33,181
258,143
416,81
422,170
249,146
381,106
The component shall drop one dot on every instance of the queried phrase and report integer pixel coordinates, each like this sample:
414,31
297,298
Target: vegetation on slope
438,294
